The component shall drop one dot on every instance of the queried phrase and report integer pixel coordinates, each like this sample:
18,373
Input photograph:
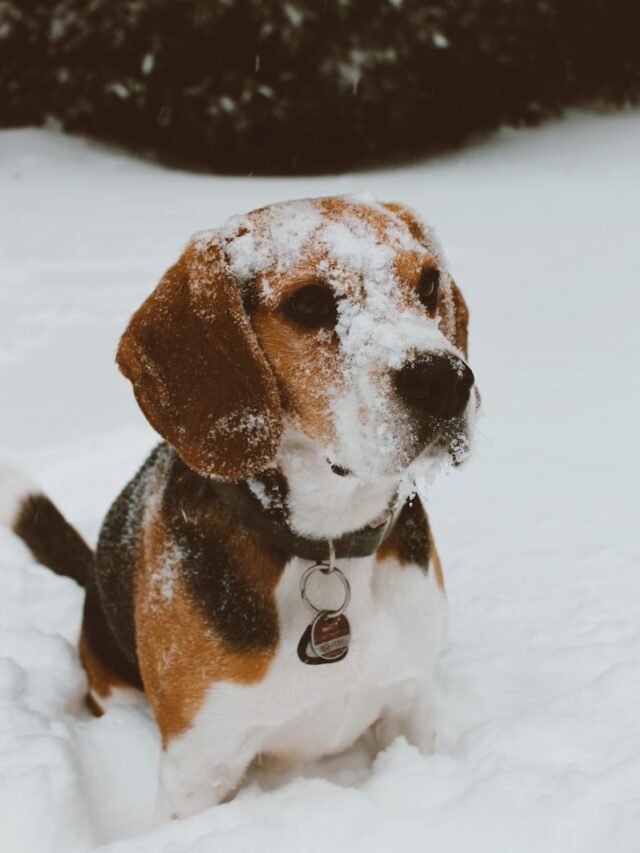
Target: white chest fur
397,619
300,712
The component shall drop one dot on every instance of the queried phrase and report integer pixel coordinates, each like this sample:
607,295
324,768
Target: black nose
438,385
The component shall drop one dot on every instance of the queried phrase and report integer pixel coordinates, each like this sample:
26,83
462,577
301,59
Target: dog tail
41,526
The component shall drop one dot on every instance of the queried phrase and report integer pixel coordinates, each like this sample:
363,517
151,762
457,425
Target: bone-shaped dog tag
326,640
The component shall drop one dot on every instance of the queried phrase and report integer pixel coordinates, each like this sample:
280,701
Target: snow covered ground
540,731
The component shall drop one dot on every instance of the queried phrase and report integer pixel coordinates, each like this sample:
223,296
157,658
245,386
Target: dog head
333,317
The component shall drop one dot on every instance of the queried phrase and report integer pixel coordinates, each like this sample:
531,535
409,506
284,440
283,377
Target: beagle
268,579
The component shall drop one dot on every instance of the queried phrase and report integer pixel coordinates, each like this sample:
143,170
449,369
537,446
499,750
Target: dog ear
460,320
198,372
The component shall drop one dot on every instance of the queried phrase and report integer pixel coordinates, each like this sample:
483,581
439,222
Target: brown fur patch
453,307
435,561
198,372
307,367
51,539
181,653
404,213
461,320
93,706
102,681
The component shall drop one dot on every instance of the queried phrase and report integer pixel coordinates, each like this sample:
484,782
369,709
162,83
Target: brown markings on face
460,320
181,651
309,367
452,307
408,267
410,220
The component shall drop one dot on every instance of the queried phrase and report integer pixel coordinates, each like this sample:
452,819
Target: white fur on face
379,332
322,503
374,429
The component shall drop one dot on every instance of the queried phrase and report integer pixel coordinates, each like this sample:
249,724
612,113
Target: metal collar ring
326,570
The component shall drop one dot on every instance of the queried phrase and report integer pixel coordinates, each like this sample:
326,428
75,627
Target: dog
269,579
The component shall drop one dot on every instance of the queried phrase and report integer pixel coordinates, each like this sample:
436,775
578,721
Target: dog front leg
414,719
198,772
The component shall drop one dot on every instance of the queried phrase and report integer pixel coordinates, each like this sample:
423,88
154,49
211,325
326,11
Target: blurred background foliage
309,85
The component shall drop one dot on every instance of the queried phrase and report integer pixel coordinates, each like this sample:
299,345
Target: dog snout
438,385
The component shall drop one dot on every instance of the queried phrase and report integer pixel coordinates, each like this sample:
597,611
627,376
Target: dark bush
309,85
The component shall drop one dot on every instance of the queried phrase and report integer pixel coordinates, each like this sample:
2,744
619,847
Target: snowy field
540,731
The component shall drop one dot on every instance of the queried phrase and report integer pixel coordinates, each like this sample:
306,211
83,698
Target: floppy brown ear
198,372
460,320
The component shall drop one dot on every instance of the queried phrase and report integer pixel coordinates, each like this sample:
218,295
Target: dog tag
326,640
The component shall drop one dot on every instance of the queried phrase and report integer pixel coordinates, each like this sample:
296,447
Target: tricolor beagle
269,578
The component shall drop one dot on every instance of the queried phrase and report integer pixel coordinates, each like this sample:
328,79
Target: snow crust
540,684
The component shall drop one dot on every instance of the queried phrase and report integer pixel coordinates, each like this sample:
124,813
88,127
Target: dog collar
270,522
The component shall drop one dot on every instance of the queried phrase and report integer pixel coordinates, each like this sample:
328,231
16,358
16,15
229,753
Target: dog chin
426,455
452,447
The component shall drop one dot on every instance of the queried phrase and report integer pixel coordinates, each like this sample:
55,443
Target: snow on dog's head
334,317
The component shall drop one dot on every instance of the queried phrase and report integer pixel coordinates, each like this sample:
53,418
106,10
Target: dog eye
428,289
313,305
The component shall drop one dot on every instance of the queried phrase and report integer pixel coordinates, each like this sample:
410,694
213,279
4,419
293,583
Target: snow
540,682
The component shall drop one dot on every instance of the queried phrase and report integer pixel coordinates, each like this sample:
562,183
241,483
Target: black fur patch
109,611
233,595
215,575
414,539
409,540
100,640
